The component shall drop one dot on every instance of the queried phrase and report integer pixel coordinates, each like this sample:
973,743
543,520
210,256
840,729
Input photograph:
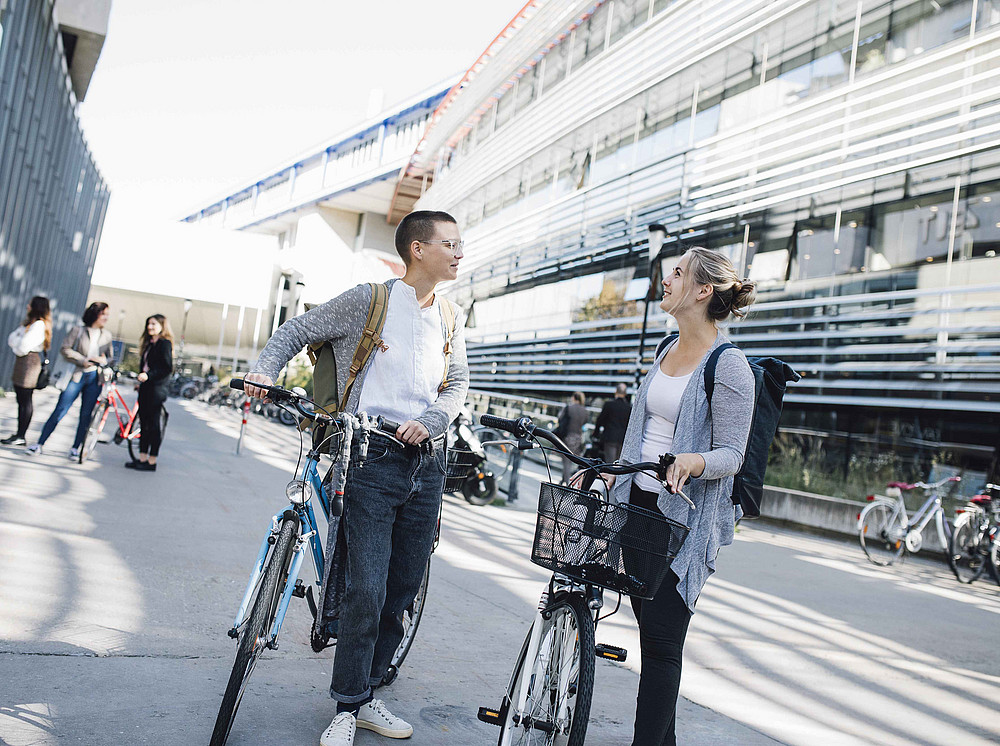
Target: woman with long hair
671,414
29,342
156,363
85,347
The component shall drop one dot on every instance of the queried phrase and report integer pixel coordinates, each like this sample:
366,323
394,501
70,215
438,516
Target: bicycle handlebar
277,394
524,428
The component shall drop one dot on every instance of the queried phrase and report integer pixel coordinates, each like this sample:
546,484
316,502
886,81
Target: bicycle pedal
299,591
233,633
610,652
490,716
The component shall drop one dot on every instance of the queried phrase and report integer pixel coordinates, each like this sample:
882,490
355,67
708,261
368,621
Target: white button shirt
403,380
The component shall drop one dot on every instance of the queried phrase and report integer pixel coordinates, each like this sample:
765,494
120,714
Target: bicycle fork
298,554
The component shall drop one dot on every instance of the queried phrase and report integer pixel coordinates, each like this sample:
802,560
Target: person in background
86,346
612,422
156,362
570,429
28,342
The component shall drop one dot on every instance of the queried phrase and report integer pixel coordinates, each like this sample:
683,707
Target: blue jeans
391,505
89,386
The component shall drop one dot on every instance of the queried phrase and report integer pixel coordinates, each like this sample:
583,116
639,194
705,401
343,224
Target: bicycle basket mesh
622,547
461,462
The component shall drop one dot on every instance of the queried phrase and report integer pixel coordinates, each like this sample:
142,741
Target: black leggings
25,409
663,624
150,437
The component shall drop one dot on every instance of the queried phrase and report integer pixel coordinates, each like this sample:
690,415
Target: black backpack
771,376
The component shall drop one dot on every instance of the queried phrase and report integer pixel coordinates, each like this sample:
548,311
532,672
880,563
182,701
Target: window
555,65
589,37
627,15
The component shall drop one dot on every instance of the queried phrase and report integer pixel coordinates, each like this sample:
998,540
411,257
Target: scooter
468,470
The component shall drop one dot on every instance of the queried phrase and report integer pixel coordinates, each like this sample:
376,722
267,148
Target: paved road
116,589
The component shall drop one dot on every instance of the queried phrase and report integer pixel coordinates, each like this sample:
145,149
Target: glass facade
52,197
849,162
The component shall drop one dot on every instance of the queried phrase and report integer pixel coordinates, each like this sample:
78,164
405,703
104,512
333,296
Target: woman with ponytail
29,342
672,414
156,363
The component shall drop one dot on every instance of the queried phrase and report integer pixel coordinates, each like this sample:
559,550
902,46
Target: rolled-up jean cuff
353,699
374,682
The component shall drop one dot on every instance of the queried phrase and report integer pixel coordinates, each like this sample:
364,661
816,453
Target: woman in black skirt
156,363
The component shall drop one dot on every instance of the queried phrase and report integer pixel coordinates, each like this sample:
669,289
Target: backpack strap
371,338
448,316
664,342
713,361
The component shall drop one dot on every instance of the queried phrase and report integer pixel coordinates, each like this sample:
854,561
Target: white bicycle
589,544
886,529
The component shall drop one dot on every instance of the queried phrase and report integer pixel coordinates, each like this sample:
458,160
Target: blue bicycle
293,533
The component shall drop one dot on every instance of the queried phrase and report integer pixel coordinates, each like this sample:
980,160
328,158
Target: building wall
52,197
849,163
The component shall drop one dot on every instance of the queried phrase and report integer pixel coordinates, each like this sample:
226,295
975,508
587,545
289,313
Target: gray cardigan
341,321
712,521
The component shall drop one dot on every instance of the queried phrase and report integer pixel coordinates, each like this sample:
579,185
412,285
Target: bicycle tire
965,557
995,558
878,527
516,730
93,431
250,644
133,439
411,620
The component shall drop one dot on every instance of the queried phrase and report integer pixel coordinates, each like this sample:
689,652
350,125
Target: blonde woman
671,414
28,342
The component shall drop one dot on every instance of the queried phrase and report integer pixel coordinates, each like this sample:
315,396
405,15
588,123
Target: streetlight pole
187,309
657,235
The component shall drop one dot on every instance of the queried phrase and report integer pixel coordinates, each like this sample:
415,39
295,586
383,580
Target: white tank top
663,401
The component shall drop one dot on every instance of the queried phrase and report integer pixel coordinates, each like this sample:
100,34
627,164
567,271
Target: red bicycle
111,399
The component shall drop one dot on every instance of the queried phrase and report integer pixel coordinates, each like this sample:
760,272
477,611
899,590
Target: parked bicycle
975,543
127,418
886,530
294,533
590,545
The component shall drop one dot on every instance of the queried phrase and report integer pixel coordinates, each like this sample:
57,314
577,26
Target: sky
194,98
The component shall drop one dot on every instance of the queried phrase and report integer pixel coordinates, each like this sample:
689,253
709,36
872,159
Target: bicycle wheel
253,636
411,619
966,557
133,438
995,557
97,420
881,533
560,681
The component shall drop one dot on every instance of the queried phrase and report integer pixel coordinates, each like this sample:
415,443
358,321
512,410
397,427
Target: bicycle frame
918,522
125,428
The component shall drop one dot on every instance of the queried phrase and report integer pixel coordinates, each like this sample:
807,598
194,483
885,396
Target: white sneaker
74,453
34,449
341,731
376,716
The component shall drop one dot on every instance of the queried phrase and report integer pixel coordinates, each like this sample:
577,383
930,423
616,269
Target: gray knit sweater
712,521
341,322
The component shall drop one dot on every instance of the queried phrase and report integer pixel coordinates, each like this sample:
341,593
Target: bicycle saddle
902,485
981,499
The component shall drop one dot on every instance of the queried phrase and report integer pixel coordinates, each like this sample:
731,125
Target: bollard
243,425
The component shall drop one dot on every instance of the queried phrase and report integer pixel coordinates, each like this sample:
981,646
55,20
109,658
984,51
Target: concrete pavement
116,589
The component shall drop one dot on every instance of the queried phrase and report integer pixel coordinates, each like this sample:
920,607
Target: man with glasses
415,377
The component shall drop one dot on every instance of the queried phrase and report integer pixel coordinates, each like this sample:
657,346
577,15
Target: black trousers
150,402
25,409
663,625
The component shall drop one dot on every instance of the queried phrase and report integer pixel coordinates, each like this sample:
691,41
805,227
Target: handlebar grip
499,423
236,383
388,426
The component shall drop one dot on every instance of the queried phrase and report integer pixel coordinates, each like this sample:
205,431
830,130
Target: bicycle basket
618,546
461,462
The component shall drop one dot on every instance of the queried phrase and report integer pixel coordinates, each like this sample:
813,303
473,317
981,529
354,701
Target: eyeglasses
453,246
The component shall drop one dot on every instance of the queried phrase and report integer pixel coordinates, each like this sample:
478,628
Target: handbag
44,374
